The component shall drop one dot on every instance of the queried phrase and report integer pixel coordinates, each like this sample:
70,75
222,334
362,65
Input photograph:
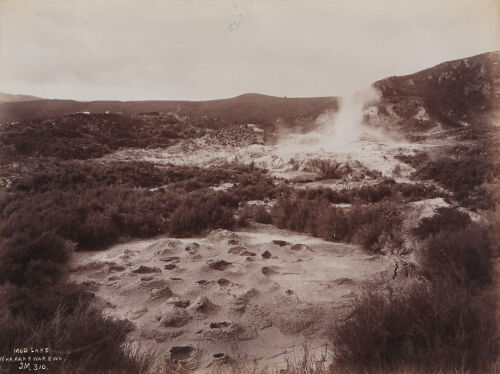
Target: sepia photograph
249,186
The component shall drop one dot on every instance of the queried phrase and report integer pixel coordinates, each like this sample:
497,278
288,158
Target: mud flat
257,294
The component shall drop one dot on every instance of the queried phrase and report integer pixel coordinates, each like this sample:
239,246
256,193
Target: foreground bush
87,341
463,256
447,322
33,260
437,326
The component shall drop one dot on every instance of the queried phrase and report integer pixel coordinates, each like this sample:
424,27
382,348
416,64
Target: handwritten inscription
30,359
31,350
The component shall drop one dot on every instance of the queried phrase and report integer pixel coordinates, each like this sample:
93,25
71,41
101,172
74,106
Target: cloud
132,49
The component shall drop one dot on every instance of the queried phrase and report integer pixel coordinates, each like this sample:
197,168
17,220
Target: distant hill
10,98
451,92
247,108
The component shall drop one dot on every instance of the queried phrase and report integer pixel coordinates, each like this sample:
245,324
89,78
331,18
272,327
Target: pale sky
209,49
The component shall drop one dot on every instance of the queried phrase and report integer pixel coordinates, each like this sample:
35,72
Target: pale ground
252,307
290,160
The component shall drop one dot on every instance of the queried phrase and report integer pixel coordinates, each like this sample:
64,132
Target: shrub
95,204
416,160
465,176
89,342
444,219
262,215
462,256
50,176
329,223
201,212
316,217
93,219
377,227
38,260
386,190
257,212
328,169
435,327
81,136
41,303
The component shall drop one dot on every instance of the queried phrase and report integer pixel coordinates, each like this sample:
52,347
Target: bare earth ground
256,294
288,162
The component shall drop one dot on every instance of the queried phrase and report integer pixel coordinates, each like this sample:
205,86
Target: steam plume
337,130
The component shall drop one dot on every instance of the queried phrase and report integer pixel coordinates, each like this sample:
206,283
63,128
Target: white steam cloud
347,126
338,131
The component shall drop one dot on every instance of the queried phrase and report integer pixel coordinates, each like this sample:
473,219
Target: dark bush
33,261
302,215
386,190
95,204
77,174
262,215
443,219
328,169
376,227
437,326
197,213
89,342
464,176
81,136
463,256
416,160
40,303
92,218
258,213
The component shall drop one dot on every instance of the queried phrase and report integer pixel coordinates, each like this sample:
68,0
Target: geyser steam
337,130
347,126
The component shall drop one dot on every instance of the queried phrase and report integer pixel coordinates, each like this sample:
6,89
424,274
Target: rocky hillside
451,92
